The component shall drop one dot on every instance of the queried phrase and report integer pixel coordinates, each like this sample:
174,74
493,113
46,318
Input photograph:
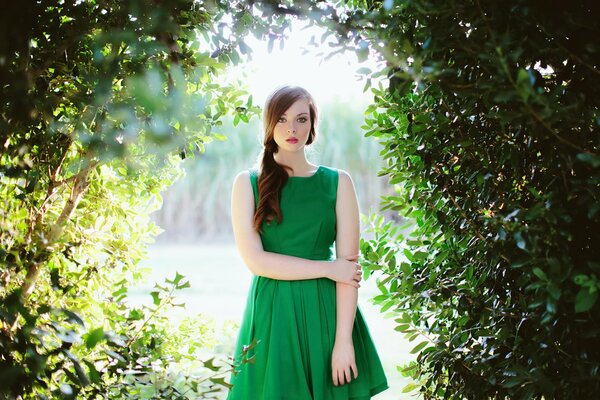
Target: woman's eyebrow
302,113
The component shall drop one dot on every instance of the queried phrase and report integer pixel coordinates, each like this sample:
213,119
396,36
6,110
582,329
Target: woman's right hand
346,271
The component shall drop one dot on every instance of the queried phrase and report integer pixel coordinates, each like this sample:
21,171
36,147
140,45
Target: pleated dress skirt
293,324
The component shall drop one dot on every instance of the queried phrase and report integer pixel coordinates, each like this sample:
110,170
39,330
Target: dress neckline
307,177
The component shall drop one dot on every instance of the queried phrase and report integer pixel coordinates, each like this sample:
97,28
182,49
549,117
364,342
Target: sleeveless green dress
294,322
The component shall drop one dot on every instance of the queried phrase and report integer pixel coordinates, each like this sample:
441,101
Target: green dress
294,322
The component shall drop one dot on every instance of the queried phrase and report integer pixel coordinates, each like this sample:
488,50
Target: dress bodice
308,225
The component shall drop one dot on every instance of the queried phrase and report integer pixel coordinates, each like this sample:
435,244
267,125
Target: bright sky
326,80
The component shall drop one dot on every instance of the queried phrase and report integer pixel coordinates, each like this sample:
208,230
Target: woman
312,341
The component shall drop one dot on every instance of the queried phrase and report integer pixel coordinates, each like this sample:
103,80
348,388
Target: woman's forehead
299,107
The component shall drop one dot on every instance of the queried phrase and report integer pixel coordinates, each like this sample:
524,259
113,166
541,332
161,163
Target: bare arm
273,265
347,246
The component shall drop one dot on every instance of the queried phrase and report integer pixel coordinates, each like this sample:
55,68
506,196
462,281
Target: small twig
150,317
550,129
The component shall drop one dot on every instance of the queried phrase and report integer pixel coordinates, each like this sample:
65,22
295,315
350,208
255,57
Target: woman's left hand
342,361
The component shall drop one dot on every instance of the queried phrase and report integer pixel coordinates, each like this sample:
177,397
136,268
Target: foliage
490,130
489,124
100,100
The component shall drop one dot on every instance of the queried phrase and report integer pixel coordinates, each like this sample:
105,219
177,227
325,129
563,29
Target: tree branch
80,185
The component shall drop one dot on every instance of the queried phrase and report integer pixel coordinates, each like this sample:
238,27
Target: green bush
100,101
490,130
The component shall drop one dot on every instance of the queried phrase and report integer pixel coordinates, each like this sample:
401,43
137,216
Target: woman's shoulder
244,177
338,179
246,173
337,172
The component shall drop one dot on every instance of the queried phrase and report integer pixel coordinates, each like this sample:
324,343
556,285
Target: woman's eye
281,120
302,119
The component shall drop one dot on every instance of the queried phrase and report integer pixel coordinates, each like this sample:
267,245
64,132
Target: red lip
292,140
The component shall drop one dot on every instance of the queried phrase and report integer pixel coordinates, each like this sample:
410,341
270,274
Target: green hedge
490,127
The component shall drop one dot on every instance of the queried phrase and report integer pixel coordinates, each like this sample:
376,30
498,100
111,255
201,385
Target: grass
219,286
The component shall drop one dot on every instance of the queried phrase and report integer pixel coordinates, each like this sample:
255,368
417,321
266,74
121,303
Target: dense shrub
99,101
491,133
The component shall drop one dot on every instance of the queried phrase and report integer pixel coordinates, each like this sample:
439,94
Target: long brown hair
272,175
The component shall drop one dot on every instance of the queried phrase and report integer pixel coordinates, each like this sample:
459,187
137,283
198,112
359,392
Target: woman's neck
296,161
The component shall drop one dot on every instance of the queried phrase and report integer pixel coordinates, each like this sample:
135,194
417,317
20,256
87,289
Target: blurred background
197,206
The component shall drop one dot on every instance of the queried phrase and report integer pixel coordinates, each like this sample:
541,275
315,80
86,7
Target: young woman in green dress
296,226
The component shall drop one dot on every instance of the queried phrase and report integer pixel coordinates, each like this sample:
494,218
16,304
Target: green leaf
387,306
210,364
514,381
540,274
178,278
155,297
522,77
219,381
592,159
94,337
94,375
410,387
115,355
72,316
183,285
419,347
585,300
120,293
409,368
402,327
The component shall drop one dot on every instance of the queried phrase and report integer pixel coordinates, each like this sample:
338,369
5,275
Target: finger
355,370
347,374
341,377
343,381
334,377
338,378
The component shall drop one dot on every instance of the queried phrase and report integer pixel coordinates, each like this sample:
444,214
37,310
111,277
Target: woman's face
292,130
